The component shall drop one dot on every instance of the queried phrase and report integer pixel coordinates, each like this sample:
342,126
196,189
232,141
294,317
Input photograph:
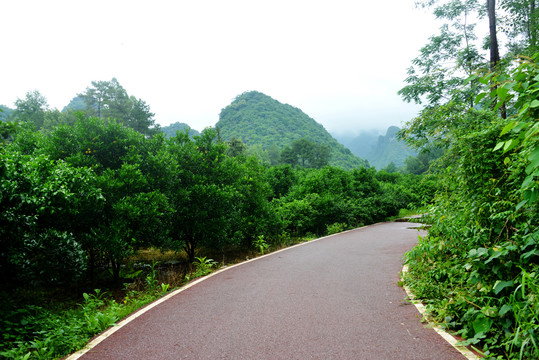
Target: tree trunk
189,248
532,26
91,266
116,265
494,51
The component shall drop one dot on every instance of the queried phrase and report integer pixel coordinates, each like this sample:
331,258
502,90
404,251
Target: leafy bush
336,228
477,269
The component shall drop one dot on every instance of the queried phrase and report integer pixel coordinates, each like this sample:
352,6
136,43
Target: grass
53,331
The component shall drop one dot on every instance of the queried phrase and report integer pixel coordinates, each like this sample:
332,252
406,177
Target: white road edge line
447,337
98,339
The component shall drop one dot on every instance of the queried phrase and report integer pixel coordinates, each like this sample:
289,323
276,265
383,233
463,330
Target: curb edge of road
444,334
102,336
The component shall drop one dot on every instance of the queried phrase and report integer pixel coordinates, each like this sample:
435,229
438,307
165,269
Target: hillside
5,113
389,149
379,150
77,103
171,129
360,145
260,120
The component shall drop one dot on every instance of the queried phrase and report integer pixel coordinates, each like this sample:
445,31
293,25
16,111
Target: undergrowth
56,328
37,332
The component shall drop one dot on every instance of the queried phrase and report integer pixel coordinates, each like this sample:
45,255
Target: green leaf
498,146
534,157
531,195
508,127
479,97
527,181
502,94
521,204
524,109
505,308
510,145
500,285
482,324
534,104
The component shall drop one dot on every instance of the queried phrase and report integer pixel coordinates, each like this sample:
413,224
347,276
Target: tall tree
520,22
31,109
437,75
493,36
109,99
306,154
95,97
494,49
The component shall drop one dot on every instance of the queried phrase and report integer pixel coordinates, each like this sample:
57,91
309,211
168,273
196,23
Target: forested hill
259,120
171,129
5,112
379,150
389,149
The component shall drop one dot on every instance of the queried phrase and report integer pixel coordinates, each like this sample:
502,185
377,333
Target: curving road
334,298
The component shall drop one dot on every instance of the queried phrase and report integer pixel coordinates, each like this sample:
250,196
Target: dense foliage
103,99
477,270
79,200
259,120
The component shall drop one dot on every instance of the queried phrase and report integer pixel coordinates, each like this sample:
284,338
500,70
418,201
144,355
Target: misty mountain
360,145
261,121
379,150
170,130
5,113
77,103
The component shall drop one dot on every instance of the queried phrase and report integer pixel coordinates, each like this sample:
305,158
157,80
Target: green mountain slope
5,113
77,103
259,120
171,129
389,149
360,145
379,150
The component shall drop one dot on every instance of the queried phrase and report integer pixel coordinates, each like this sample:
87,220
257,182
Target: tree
520,22
7,130
391,168
236,147
95,98
31,109
108,99
45,205
438,74
493,35
305,153
201,196
136,211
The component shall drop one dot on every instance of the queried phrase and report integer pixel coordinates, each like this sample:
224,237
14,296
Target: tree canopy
108,99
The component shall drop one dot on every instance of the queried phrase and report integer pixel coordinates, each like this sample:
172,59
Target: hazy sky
340,61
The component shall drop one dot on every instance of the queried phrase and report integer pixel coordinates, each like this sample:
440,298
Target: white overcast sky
340,61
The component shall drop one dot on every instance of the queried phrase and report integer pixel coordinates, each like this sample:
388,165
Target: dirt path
334,298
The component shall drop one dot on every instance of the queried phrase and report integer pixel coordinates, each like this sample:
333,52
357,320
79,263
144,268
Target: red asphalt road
335,298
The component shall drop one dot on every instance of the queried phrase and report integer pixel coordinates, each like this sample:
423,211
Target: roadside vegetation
101,213
478,269
99,219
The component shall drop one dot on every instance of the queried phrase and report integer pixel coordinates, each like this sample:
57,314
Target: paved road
335,298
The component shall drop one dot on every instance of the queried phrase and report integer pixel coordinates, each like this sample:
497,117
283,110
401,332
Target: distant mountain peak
260,120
